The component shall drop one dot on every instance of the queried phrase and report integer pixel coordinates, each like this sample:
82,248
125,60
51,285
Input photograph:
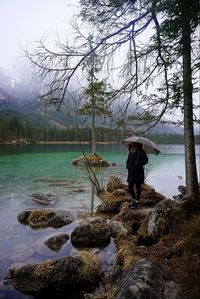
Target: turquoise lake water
25,169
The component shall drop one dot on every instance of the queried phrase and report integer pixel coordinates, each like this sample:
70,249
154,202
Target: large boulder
69,274
92,232
163,216
45,218
143,280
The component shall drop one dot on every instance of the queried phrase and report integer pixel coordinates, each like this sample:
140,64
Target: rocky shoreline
139,235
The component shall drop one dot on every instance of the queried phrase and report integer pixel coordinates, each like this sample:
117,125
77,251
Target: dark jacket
134,164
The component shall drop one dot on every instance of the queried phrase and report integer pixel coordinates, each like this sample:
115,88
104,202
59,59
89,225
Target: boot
134,205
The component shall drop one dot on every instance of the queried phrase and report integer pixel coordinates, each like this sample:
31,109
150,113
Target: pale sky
22,22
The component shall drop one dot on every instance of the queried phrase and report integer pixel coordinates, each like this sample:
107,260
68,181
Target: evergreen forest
14,129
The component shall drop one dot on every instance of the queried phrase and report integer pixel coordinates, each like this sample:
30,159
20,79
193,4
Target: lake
27,169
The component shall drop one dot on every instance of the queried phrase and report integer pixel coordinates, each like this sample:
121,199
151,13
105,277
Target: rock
141,280
183,193
182,189
112,275
150,198
172,291
56,242
67,274
92,232
45,218
114,183
162,218
131,219
112,201
23,216
44,199
117,228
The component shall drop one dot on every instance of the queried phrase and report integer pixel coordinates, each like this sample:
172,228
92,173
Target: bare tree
158,72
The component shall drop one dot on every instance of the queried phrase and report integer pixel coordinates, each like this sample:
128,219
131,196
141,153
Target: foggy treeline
13,129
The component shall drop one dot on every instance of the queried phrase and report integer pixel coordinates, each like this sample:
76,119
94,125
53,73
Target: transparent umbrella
148,145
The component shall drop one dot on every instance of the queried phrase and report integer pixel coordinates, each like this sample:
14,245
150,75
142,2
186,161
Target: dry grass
111,198
126,247
91,265
94,157
40,270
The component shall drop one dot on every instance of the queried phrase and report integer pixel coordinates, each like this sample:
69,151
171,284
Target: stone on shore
92,232
163,217
116,194
67,274
117,228
144,280
115,183
131,219
111,201
150,198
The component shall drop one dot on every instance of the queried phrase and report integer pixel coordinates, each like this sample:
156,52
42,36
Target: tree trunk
93,116
93,134
190,157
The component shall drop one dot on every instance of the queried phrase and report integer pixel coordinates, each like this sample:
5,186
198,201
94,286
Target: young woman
137,158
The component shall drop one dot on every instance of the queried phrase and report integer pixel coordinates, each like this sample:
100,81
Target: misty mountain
18,98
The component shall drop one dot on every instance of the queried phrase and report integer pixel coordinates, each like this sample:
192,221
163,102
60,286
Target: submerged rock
21,253
46,217
44,199
70,274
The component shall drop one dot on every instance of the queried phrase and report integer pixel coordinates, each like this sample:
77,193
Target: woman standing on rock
137,158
